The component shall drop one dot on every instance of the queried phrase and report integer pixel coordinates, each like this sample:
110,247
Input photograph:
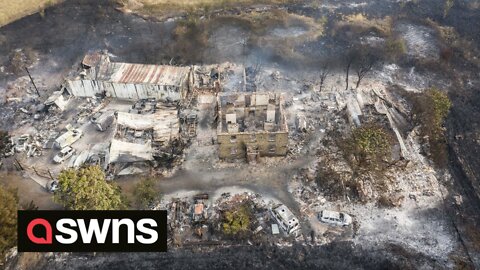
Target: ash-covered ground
340,255
431,230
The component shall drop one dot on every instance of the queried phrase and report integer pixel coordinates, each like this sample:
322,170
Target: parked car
68,138
334,218
64,154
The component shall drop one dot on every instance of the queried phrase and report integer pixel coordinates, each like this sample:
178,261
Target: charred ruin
251,125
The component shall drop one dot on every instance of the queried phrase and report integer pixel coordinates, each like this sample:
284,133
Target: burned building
251,125
206,78
100,76
224,77
141,136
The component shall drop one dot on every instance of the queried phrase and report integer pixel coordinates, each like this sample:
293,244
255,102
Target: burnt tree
349,64
350,59
324,72
5,143
364,64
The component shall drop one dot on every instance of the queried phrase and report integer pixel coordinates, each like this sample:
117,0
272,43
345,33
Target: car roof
285,214
66,149
330,214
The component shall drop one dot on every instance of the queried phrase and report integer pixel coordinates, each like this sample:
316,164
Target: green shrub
8,219
146,196
441,107
370,144
446,8
236,221
395,48
430,110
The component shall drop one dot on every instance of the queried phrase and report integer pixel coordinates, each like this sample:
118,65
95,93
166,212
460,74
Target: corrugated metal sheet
132,81
135,121
141,91
84,88
165,123
126,152
144,74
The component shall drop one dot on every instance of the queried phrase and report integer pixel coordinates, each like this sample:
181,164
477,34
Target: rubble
59,98
198,218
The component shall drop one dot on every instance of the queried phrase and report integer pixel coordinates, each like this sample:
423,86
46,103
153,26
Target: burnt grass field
340,255
67,31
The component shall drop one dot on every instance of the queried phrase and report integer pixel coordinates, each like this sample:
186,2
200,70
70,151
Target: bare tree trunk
323,76
324,71
365,66
346,77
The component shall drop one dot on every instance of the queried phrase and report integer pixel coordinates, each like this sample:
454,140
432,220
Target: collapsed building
216,78
209,80
251,125
142,136
101,77
141,109
206,78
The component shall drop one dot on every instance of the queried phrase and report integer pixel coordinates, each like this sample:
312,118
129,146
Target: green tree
236,221
8,219
87,189
5,143
145,194
370,144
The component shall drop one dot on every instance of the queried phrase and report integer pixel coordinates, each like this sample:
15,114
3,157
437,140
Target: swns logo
90,231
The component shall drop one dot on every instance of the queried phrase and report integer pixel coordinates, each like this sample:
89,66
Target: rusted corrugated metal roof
92,59
145,74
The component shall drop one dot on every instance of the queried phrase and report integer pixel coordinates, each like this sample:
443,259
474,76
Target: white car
64,154
334,218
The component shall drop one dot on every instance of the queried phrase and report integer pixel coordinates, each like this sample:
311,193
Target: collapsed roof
164,123
125,152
